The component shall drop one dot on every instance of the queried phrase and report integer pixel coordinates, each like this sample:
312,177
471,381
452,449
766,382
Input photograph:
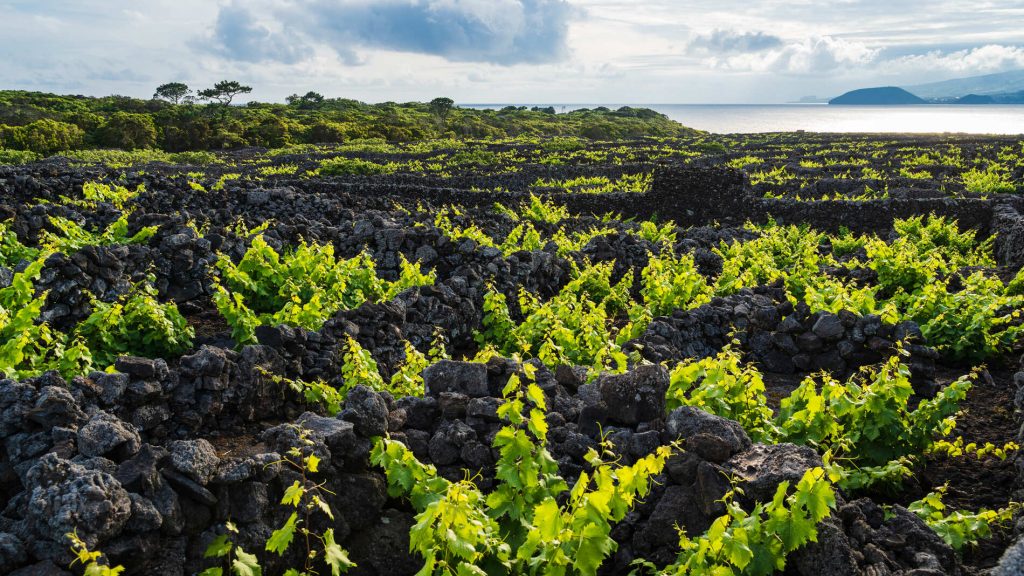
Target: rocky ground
149,461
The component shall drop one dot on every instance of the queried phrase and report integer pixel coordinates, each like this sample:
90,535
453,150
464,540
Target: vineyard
791,353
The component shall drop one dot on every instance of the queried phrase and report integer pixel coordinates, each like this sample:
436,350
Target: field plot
787,353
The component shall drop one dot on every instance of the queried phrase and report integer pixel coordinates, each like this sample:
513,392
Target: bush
128,131
17,156
42,136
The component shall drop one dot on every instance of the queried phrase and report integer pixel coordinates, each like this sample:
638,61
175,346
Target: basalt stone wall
72,460
1012,562
1008,224
786,339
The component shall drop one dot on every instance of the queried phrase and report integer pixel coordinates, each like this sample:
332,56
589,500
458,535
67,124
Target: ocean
743,118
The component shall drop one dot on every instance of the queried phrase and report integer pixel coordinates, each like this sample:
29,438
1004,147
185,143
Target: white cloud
823,55
981,60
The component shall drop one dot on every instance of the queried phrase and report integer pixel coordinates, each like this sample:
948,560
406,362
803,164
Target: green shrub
18,156
42,136
128,131
137,324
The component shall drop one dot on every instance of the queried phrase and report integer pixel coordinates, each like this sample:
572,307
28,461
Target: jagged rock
12,550
66,497
382,549
636,396
142,368
1012,561
764,467
365,409
711,437
105,434
469,378
56,407
196,459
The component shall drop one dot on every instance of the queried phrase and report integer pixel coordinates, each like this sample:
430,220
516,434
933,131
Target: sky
506,51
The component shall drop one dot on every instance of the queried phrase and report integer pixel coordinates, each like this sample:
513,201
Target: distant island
884,96
1002,88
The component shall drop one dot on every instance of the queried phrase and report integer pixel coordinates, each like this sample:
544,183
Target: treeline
175,120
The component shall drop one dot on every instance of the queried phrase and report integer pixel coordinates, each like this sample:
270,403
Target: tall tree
310,100
224,92
441,108
173,92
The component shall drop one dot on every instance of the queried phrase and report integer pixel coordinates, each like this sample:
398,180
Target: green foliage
96,193
16,157
532,520
342,166
846,243
137,324
670,283
724,385
868,419
301,287
537,210
991,180
572,328
90,560
1015,287
664,235
757,543
971,324
42,136
29,347
128,131
71,237
12,251
786,253
958,528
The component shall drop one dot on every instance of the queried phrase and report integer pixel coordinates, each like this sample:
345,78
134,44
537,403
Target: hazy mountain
1001,83
883,96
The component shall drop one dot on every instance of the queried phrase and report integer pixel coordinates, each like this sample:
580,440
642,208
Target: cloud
822,55
496,31
969,61
239,35
731,41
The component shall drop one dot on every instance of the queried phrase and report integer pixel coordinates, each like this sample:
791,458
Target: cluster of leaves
786,253
306,497
571,328
96,193
72,237
12,251
137,324
90,559
301,287
756,543
536,210
29,347
532,521
867,421
959,528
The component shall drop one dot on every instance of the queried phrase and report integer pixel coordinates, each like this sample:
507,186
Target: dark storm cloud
497,31
732,42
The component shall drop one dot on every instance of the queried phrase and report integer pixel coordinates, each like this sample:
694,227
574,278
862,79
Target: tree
441,108
173,92
311,100
224,92
128,131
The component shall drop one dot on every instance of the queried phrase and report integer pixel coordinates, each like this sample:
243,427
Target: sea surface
742,118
